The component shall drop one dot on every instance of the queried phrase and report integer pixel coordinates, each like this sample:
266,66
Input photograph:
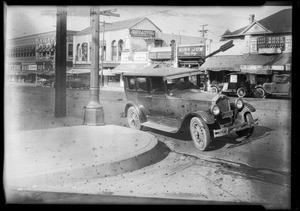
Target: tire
246,132
202,86
133,119
241,92
214,89
200,133
260,92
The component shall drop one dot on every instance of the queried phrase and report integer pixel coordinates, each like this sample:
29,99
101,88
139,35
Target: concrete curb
144,156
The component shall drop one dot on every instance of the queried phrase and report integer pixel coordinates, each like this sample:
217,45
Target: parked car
49,82
167,100
280,86
237,84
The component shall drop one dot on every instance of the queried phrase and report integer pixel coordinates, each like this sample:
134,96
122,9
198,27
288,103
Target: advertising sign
271,42
142,33
191,51
160,55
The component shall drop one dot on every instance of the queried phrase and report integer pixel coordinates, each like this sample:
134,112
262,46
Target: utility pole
60,62
94,114
106,13
203,31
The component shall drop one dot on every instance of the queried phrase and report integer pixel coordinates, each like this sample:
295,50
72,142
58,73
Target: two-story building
127,45
33,55
262,48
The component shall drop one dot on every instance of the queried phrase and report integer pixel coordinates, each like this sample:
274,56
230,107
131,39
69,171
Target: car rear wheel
200,133
247,132
259,92
241,92
133,118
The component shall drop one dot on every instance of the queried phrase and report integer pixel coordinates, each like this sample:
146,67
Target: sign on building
271,42
191,51
142,33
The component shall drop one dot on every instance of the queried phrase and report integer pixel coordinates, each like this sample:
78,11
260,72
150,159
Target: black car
169,99
237,84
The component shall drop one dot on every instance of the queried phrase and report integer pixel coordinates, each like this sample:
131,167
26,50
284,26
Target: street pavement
185,173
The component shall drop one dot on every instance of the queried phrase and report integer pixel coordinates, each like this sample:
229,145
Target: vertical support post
94,111
60,62
102,57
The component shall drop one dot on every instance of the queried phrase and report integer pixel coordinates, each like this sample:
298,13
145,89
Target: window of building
70,50
120,49
84,48
78,52
141,84
113,51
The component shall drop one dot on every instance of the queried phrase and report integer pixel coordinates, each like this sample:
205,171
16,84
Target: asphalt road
265,156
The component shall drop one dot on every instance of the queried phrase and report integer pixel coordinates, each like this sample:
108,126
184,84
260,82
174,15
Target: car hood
194,94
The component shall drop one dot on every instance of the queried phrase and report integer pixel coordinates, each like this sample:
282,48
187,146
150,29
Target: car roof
162,72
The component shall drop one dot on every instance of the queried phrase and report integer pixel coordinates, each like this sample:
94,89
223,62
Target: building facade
32,55
133,41
263,47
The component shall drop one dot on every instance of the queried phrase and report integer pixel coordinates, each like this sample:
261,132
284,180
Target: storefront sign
142,33
269,50
191,51
140,57
271,42
32,67
160,55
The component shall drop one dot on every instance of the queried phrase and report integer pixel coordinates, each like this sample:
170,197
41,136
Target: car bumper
234,128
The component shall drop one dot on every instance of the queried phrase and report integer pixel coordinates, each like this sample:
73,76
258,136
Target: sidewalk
59,155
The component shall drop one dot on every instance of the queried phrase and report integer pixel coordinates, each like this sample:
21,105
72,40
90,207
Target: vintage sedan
169,99
281,86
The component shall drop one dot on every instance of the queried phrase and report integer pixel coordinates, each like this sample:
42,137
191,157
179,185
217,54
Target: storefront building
127,45
263,48
31,56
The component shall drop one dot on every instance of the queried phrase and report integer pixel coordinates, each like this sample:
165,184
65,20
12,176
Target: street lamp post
94,114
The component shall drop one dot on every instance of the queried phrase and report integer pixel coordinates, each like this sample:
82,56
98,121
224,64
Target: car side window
157,85
130,83
141,83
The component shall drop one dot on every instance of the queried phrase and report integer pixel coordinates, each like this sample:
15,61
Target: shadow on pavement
220,142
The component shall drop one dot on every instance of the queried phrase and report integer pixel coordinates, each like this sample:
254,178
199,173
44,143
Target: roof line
255,22
143,20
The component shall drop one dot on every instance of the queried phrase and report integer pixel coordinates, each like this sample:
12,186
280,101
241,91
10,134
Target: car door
143,95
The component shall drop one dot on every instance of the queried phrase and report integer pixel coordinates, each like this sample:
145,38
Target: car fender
248,108
207,117
138,108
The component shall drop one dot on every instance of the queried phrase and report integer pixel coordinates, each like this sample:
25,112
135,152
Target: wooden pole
60,62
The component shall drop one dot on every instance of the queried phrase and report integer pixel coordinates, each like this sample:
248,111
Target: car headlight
239,104
215,110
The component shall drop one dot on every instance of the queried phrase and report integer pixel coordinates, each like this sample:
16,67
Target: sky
184,20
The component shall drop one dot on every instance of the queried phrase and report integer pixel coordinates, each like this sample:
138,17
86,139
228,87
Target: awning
266,62
122,68
226,62
106,72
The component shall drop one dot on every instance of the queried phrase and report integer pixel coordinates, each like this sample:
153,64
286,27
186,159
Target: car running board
160,127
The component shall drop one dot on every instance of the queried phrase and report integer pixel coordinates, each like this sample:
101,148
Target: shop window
78,52
141,83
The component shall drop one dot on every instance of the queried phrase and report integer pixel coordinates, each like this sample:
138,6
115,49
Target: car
280,86
168,99
237,84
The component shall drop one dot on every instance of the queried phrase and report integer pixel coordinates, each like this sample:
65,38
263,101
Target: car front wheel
200,133
241,92
247,132
133,118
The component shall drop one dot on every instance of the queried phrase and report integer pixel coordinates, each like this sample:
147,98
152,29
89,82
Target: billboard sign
142,33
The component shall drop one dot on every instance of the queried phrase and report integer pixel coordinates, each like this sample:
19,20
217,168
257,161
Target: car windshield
182,83
281,79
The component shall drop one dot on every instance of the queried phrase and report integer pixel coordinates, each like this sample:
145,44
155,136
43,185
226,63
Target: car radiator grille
223,105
